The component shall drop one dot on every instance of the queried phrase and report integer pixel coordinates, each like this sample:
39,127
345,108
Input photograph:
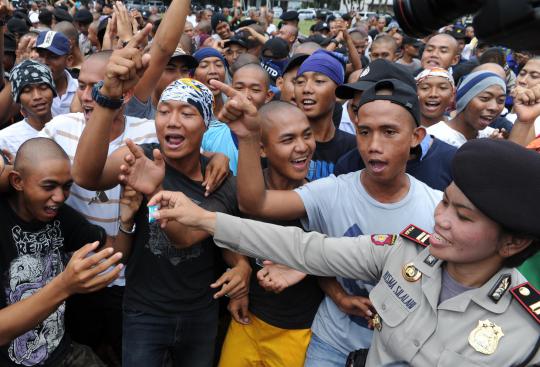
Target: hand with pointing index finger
239,113
126,66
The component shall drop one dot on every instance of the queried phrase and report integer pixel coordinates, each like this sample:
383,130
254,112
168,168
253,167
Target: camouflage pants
81,356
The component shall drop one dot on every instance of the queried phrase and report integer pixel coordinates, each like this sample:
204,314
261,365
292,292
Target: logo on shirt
38,262
160,245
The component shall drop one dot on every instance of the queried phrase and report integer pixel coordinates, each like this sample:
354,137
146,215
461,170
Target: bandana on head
326,63
440,72
29,72
193,92
474,84
206,52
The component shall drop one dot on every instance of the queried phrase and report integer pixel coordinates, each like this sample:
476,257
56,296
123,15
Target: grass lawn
304,26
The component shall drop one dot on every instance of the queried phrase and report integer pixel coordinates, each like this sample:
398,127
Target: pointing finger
228,90
140,39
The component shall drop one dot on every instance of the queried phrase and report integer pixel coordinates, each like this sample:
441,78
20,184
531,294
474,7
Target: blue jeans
321,354
188,339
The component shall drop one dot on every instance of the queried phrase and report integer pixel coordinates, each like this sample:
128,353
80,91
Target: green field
304,26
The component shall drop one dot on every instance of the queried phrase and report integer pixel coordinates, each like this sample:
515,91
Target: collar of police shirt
432,282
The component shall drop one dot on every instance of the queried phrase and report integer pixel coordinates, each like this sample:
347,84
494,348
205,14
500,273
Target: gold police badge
411,273
485,337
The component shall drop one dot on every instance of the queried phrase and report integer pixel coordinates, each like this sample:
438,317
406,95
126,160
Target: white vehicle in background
307,14
277,11
367,14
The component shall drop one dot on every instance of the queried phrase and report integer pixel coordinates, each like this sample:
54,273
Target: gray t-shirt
142,110
413,67
450,288
340,206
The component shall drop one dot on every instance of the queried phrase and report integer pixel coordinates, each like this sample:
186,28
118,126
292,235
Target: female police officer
446,299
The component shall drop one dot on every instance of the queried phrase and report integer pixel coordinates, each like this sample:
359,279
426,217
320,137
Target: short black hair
518,259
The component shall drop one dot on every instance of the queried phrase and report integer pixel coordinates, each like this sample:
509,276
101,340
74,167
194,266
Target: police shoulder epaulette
529,298
417,235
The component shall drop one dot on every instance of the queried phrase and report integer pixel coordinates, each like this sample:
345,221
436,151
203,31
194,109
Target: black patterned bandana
29,72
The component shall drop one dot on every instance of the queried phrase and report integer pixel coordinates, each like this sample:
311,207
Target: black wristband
104,101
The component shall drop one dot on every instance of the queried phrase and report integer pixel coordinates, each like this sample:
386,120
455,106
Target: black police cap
501,179
400,94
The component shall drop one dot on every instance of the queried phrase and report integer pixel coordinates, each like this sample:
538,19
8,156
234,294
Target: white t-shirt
346,123
443,132
512,117
271,29
66,130
13,136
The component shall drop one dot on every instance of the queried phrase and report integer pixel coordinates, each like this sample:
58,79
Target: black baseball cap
401,94
377,70
275,48
318,39
17,26
408,40
62,15
10,43
236,39
294,61
188,60
83,16
289,15
246,22
319,27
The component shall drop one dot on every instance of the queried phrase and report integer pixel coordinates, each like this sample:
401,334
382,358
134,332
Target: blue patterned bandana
193,92
29,72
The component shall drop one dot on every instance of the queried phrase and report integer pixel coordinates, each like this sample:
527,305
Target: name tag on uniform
401,294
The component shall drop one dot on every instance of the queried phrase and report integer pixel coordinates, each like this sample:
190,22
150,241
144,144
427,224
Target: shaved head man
441,51
289,33
37,152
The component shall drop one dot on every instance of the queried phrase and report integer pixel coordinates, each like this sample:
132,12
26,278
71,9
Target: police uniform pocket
389,308
453,359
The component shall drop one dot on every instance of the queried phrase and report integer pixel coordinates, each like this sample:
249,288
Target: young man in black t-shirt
318,77
37,234
169,303
282,301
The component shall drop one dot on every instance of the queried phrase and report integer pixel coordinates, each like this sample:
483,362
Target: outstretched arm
167,37
253,198
311,253
91,167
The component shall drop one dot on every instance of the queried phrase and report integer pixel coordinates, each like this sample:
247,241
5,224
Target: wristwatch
104,101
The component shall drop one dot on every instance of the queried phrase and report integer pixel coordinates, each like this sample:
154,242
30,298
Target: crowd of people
376,194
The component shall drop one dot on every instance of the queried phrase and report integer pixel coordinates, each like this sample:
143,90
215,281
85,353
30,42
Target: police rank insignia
500,288
416,235
383,239
430,260
529,298
411,273
485,337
